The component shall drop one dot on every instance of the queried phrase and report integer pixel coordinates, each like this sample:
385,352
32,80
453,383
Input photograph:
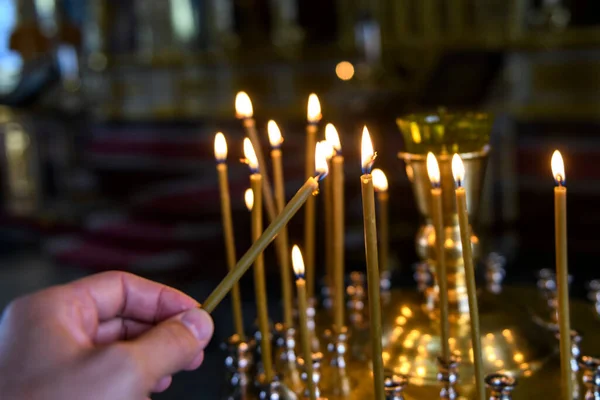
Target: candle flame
275,137
321,166
458,169
380,181
297,262
220,147
558,168
249,199
367,154
314,109
327,149
331,135
243,105
433,169
250,155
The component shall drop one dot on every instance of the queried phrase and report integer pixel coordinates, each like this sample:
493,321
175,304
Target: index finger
121,294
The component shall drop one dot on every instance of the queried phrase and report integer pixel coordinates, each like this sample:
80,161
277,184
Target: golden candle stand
518,323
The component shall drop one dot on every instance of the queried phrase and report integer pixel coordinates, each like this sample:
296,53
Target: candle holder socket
422,276
271,391
593,287
394,385
238,361
501,386
357,294
591,377
317,359
448,376
494,272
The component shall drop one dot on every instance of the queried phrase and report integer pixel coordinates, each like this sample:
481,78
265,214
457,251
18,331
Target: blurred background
109,110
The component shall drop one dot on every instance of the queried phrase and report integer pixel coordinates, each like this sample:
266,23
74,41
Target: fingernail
199,323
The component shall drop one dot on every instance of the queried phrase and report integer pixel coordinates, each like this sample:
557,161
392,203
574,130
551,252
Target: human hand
108,336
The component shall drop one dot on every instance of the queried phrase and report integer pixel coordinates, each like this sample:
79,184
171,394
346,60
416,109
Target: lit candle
259,263
245,112
327,217
310,188
370,226
337,182
276,139
313,116
433,170
305,336
380,183
562,273
221,157
458,171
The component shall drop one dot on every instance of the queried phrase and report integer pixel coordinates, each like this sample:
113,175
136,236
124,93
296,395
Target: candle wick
559,180
320,175
369,165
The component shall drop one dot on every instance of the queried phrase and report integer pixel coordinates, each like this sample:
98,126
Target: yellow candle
438,221
236,302
245,112
276,139
381,187
305,336
314,116
328,218
259,263
458,170
370,226
562,272
310,187
337,179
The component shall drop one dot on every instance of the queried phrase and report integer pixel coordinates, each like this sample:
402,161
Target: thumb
173,344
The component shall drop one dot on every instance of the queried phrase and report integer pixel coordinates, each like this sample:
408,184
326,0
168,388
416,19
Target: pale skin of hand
110,336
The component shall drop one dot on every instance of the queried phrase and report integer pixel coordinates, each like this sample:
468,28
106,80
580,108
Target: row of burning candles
317,167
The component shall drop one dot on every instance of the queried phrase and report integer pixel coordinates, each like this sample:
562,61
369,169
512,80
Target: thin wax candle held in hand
337,179
373,282
313,117
260,288
305,336
562,272
221,157
281,240
310,188
458,171
245,112
433,170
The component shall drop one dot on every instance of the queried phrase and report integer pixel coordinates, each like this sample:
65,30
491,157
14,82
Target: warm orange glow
558,168
344,70
331,135
458,169
433,169
243,105
250,155
367,152
275,137
314,109
220,147
327,149
321,166
297,261
518,357
380,181
249,199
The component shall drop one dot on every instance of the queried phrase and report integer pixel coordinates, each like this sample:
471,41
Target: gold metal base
513,342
